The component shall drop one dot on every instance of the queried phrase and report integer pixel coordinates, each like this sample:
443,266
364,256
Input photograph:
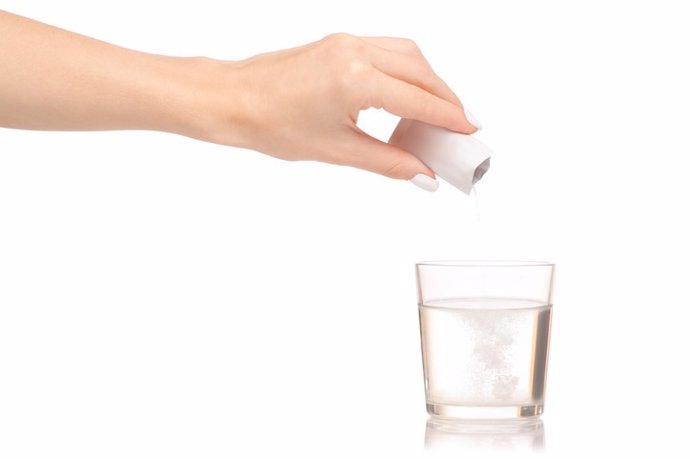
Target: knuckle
338,36
411,46
426,74
396,170
342,43
355,74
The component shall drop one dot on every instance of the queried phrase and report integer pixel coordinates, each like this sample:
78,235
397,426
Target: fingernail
425,182
473,121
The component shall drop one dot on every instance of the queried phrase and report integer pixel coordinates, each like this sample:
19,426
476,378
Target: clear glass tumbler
485,337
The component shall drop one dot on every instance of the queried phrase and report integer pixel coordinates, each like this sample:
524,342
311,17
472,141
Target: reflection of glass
449,436
485,337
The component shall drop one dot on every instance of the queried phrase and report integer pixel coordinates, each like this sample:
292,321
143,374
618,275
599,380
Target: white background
161,297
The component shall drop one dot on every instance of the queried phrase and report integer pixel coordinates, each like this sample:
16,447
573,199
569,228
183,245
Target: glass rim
485,263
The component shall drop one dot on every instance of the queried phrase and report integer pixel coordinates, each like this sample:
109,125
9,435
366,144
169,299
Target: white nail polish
473,121
425,182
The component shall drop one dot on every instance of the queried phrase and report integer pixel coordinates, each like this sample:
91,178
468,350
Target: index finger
413,69
409,101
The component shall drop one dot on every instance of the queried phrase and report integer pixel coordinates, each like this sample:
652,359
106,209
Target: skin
296,104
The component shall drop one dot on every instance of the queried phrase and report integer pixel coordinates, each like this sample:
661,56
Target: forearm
297,104
51,79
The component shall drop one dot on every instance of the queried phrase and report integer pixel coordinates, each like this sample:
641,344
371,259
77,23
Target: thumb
379,157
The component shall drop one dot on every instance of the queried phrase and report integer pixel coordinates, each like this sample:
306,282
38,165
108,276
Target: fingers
412,69
409,101
401,59
399,45
365,152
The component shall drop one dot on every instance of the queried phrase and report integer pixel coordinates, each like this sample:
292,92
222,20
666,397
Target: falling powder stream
478,223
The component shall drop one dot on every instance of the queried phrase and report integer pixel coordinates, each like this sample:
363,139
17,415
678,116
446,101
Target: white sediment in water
485,351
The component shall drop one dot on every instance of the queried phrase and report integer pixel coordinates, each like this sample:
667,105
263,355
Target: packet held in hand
459,159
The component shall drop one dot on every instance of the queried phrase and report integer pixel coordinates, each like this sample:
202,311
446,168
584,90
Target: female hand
296,104
303,103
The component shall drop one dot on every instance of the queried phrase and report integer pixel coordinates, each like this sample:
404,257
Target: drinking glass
485,337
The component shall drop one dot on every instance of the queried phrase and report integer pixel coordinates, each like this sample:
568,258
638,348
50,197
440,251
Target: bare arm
51,79
300,103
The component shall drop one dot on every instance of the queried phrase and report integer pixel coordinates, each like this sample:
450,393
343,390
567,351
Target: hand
300,103
303,103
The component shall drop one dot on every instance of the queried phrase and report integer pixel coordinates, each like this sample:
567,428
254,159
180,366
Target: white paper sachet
459,159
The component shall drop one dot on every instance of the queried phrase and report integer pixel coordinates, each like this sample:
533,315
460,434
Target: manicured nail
425,182
473,121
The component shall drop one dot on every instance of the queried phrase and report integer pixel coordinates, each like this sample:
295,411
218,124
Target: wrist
210,101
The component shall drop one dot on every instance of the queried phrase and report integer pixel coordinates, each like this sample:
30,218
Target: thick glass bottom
484,412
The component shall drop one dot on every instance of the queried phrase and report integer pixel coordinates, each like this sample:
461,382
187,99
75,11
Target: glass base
484,412
458,436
